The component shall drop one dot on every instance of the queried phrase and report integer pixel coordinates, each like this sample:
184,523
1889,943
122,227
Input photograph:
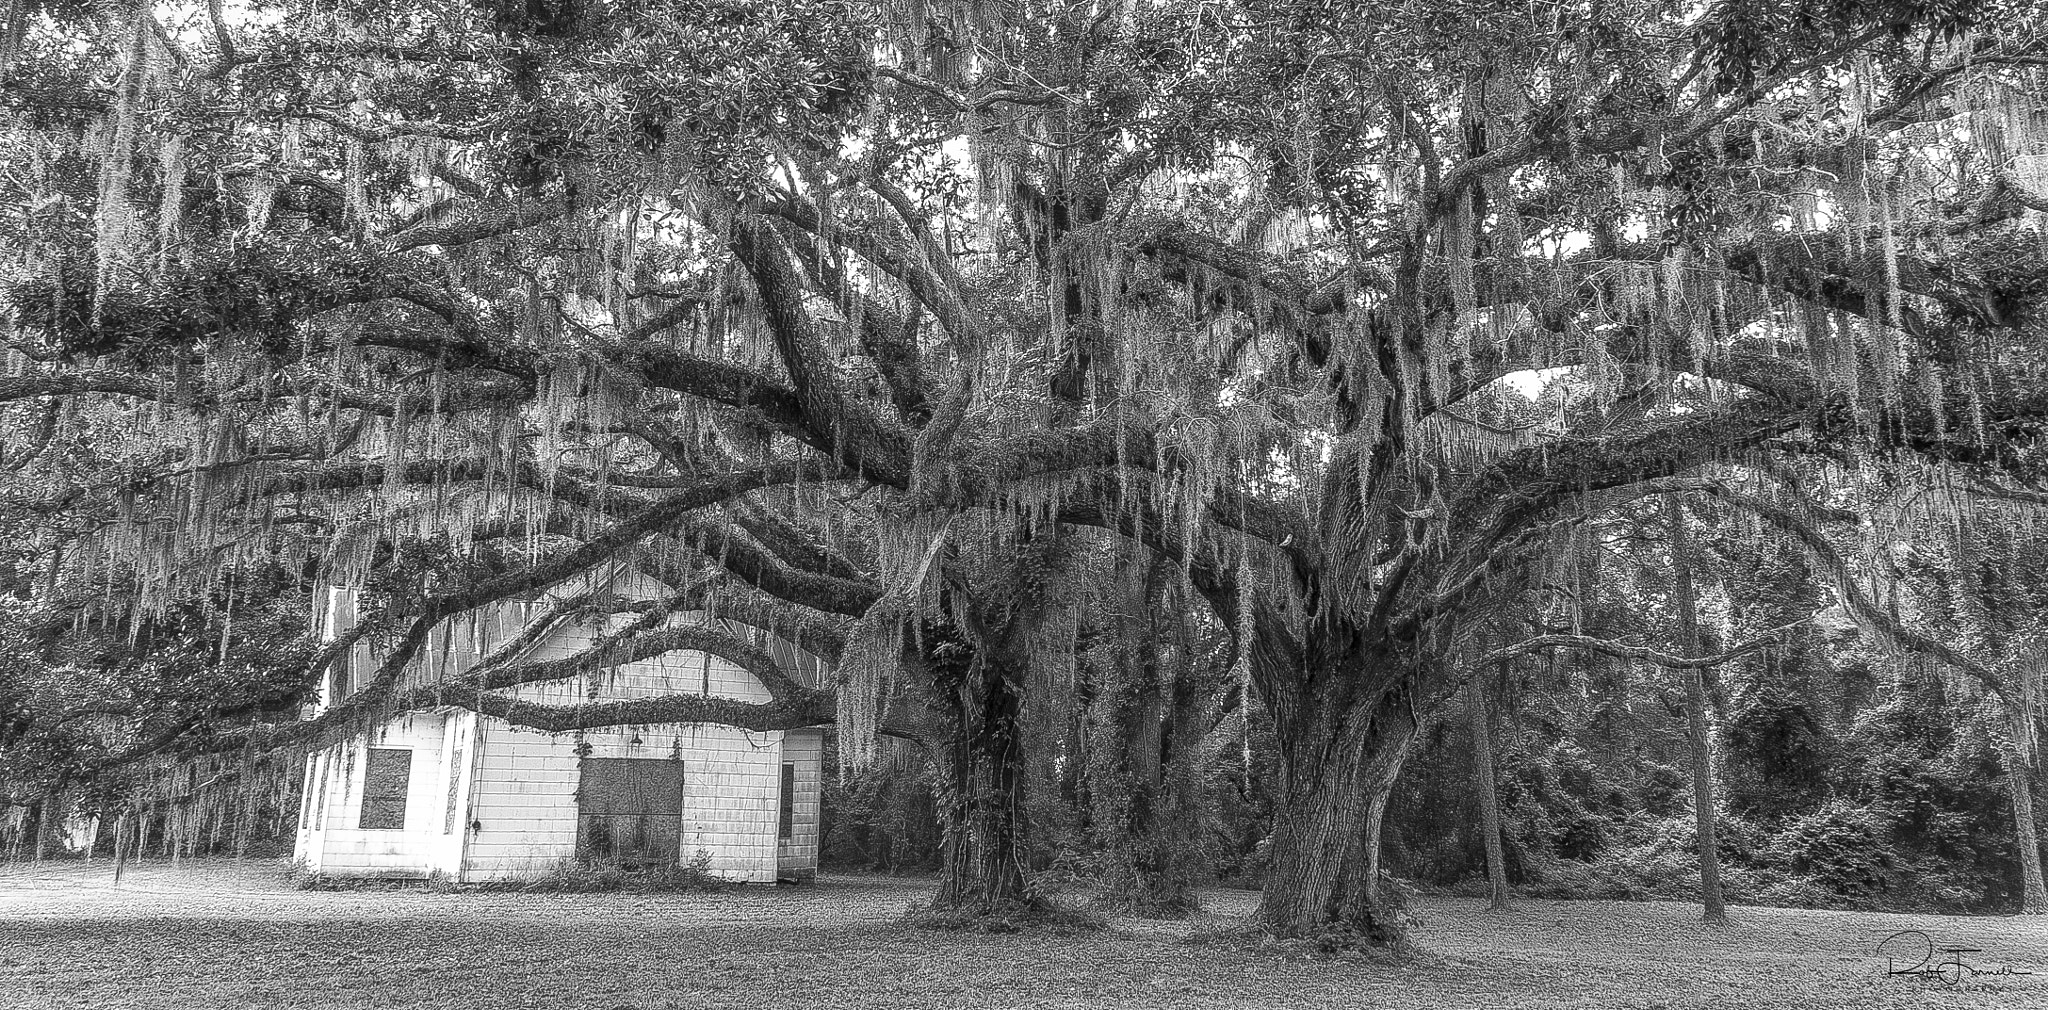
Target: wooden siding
332,843
525,804
517,790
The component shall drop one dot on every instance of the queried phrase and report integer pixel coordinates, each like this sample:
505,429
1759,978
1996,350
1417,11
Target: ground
220,934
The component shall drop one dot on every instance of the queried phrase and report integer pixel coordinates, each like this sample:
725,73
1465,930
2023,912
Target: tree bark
1339,769
2035,897
1697,734
121,846
1146,735
42,824
1149,713
2019,783
1125,783
983,852
1489,792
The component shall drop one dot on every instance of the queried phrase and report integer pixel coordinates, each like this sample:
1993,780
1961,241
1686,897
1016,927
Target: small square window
387,775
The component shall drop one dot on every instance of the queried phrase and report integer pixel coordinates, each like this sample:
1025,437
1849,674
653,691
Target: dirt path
223,935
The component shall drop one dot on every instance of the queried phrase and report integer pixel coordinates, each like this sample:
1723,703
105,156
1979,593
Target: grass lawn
233,935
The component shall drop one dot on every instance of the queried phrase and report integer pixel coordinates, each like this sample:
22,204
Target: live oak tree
296,326
845,318
88,688
1544,208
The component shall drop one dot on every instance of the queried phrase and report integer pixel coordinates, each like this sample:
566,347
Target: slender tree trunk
1697,734
1340,769
43,827
2019,783
120,846
1489,792
244,825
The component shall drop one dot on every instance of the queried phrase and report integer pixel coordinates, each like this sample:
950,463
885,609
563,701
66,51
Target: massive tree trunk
1340,762
1010,643
1697,733
983,852
1489,793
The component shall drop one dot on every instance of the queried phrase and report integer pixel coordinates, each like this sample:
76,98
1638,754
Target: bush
1842,848
1658,860
883,819
571,877
1776,755
1666,791
1249,872
1767,886
1043,917
1644,872
1071,870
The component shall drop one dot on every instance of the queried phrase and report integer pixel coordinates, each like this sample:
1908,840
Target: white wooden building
475,798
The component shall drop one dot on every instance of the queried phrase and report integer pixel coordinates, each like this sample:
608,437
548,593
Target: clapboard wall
525,794
332,838
513,791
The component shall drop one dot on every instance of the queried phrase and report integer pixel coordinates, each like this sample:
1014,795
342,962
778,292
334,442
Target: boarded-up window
454,789
387,774
630,811
788,823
